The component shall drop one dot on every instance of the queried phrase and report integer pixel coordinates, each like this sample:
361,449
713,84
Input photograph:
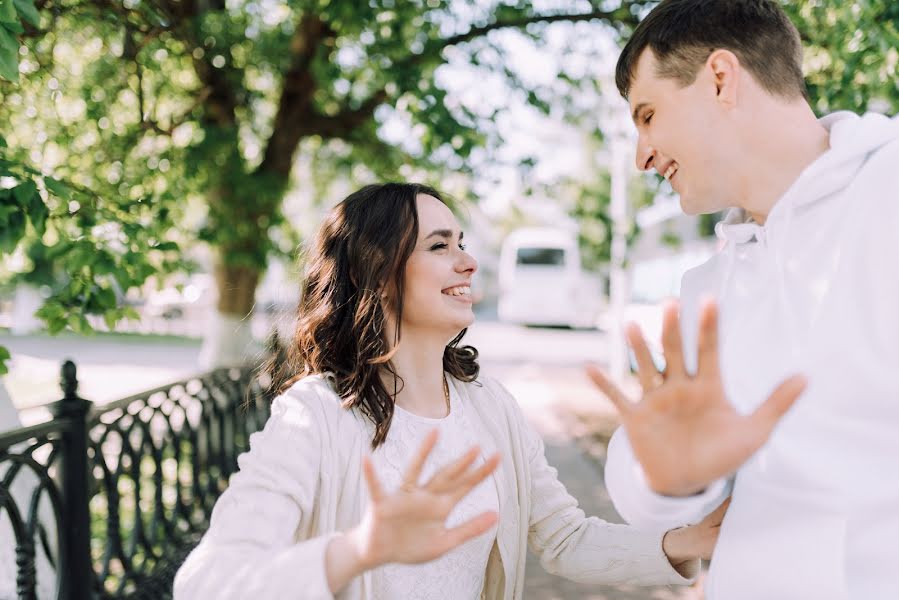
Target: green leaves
851,56
12,222
32,205
28,12
22,204
8,13
58,188
9,53
183,132
11,11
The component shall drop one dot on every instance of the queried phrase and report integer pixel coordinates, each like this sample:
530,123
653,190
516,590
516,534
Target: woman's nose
467,263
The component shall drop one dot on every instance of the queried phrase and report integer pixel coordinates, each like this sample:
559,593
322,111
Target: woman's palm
409,525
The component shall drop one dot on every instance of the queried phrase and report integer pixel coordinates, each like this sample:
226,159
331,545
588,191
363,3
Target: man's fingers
708,340
413,473
778,403
375,491
671,340
469,529
611,391
647,372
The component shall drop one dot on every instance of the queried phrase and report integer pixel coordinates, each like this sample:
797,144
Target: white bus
541,281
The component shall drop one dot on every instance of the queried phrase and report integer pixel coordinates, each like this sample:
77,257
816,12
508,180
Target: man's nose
646,155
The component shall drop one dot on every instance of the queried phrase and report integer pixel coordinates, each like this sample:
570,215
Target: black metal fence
105,502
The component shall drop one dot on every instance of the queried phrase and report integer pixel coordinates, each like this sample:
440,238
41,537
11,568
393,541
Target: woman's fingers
371,479
413,473
448,474
647,372
475,477
469,529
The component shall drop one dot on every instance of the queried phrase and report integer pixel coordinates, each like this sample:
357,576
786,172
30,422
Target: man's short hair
682,34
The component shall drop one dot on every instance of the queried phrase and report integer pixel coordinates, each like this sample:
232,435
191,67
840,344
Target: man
795,413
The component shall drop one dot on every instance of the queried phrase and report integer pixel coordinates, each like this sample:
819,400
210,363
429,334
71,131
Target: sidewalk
551,397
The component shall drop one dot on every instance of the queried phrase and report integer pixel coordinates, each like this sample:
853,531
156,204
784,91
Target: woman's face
437,296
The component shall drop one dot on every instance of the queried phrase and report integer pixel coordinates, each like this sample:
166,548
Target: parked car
542,282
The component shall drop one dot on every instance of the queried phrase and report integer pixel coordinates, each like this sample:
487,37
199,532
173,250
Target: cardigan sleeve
249,550
581,548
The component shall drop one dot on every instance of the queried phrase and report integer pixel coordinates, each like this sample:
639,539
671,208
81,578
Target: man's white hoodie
815,512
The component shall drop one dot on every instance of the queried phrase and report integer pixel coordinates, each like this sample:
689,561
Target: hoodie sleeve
250,550
639,505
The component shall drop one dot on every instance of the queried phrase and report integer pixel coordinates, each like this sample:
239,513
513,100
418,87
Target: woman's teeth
670,171
462,290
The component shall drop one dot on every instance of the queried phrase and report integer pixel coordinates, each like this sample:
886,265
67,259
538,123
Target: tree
202,103
166,118
851,53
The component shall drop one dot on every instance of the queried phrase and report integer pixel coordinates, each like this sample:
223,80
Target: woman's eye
647,118
461,246
439,246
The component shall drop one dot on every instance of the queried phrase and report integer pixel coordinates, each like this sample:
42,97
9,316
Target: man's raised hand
683,430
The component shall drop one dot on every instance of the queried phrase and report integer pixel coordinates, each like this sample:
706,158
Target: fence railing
105,502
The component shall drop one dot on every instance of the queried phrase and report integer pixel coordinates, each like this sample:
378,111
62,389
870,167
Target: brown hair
359,254
683,33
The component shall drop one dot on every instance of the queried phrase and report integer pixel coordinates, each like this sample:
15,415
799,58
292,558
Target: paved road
111,367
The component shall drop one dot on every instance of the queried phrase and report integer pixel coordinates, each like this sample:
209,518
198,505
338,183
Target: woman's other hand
686,544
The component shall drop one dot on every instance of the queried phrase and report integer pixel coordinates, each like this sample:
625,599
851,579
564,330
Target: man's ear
725,69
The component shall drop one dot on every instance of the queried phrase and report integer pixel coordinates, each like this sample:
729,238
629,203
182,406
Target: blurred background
162,163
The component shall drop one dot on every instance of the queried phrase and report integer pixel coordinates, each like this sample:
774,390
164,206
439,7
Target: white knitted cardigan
301,482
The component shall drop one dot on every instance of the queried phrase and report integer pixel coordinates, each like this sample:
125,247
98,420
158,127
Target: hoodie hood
852,139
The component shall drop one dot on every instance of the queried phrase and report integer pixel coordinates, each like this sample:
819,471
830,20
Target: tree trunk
9,415
229,338
25,303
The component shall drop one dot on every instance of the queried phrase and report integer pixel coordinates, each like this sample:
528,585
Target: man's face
686,136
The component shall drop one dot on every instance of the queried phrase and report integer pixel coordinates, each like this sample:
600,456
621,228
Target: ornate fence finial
69,381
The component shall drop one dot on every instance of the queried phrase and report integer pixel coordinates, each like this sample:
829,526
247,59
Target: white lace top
458,574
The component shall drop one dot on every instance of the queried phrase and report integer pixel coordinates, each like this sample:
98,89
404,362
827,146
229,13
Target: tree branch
295,104
218,89
620,15
153,125
342,124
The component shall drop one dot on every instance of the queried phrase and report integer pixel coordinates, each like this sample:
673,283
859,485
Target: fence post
78,575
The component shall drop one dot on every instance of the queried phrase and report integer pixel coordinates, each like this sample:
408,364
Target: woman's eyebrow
444,233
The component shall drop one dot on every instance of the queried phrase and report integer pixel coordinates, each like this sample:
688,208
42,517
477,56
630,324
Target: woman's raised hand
408,525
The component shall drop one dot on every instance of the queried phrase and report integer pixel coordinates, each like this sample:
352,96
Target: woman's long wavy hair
358,257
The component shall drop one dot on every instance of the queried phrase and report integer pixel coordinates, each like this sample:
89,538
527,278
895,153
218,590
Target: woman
456,485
